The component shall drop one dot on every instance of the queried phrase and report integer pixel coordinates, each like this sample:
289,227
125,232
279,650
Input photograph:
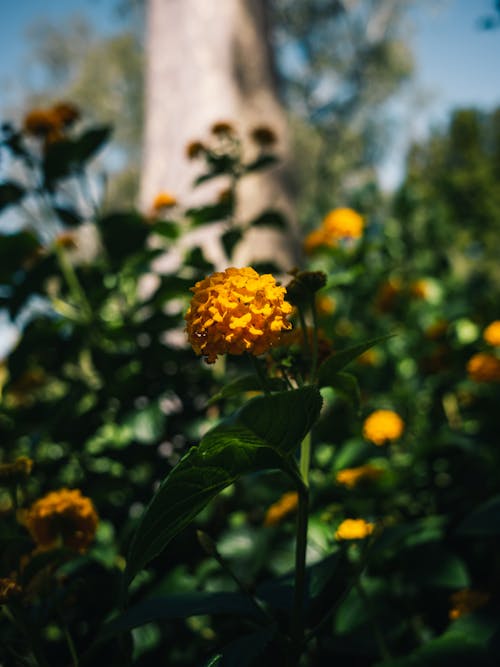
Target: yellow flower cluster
466,601
62,518
354,529
351,477
280,509
383,425
492,334
163,200
8,590
483,367
236,311
341,223
49,123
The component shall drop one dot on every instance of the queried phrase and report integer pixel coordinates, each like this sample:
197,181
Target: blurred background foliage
103,394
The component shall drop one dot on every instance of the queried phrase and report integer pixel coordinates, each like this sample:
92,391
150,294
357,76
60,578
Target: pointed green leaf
258,437
243,384
270,218
338,360
91,141
262,162
230,239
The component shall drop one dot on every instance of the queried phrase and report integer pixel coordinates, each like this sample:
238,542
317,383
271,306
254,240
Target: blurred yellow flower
163,200
351,477
41,122
354,529
369,357
483,367
62,518
419,289
236,311
66,240
18,470
279,510
383,425
466,601
338,224
9,589
492,334
263,135
66,112
387,295
194,149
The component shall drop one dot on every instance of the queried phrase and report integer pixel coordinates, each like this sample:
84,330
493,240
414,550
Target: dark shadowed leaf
483,521
262,162
10,193
270,218
257,437
91,141
230,239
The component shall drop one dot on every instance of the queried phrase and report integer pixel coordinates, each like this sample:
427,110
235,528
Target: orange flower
9,589
194,149
382,426
351,477
283,507
419,289
491,334
340,223
466,601
484,367
354,529
236,311
263,135
163,200
17,471
222,127
63,517
41,122
66,113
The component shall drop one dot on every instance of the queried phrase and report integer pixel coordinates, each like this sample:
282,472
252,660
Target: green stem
71,644
73,283
305,459
297,624
305,335
262,376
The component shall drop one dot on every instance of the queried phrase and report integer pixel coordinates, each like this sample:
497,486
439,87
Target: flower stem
297,624
314,364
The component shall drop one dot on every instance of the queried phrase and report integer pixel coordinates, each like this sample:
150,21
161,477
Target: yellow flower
484,367
419,289
354,529
236,311
194,149
63,517
383,425
369,357
17,471
466,601
163,200
341,223
66,113
41,122
263,135
280,509
351,477
492,334
66,240
222,127
9,589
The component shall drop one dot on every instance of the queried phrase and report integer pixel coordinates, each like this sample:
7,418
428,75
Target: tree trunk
209,61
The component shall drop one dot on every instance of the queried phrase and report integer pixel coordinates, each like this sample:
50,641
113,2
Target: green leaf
59,161
177,605
244,651
336,361
347,385
211,213
91,141
166,228
123,234
14,248
243,384
255,438
230,239
10,193
483,521
262,162
270,218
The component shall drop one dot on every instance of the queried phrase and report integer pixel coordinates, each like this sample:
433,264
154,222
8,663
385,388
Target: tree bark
209,61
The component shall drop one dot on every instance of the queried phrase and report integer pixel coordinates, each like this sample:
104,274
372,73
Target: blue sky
456,62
